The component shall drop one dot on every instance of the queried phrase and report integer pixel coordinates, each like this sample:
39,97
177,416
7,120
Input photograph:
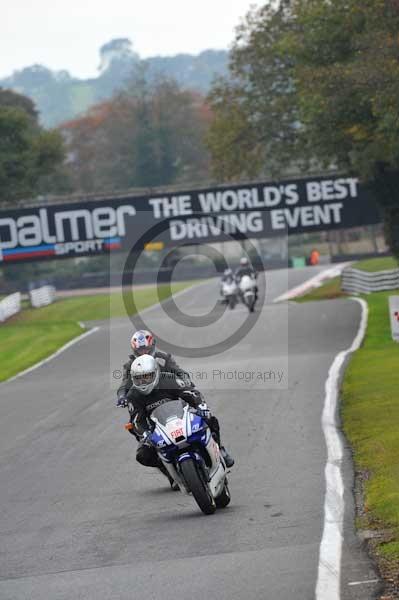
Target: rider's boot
229,460
215,428
174,486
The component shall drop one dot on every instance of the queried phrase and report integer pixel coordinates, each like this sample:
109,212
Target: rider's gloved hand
121,402
203,410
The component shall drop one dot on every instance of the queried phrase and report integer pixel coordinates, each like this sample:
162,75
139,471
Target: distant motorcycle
230,293
192,457
247,291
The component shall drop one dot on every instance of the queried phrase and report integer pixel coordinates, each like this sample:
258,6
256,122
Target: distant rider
150,388
227,277
246,268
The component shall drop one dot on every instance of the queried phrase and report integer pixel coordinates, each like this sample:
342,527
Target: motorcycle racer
227,277
152,387
246,268
143,342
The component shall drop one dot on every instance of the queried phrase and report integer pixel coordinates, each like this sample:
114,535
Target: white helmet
244,262
145,374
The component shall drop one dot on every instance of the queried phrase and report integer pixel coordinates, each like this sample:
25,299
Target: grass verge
37,333
329,290
370,416
332,287
377,264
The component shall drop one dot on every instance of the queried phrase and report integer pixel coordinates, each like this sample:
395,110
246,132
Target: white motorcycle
192,457
230,293
247,290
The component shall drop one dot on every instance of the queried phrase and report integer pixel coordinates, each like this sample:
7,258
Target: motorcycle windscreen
169,410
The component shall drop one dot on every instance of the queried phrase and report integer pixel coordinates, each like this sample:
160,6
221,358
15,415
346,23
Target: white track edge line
52,356
311,283
329,568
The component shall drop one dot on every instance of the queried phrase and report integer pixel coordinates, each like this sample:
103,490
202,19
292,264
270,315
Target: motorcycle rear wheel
198,487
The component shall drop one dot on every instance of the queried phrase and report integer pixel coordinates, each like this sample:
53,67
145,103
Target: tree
149,135
255,125
314,82
11,99
347,76
27,152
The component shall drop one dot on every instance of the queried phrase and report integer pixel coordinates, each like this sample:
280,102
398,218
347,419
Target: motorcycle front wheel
250,302
198,487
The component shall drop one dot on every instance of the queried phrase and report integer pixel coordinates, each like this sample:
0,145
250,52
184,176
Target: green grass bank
37,333
370,416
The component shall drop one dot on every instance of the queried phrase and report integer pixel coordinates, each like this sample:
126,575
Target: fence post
394,316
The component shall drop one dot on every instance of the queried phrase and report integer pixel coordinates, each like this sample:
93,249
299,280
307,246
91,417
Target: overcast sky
67,34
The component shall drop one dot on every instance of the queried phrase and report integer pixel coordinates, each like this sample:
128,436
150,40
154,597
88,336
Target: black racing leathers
166,362
170,387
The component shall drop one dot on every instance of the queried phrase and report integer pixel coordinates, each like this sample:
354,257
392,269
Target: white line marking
364,582
52,356
329,571
313,282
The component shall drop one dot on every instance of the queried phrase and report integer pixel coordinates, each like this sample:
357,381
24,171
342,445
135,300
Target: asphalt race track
79,519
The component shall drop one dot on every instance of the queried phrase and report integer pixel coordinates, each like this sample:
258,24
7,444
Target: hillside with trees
61,97
150,134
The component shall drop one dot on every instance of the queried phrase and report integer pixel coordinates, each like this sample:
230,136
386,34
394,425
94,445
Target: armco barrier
42,296
9,306
356,281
